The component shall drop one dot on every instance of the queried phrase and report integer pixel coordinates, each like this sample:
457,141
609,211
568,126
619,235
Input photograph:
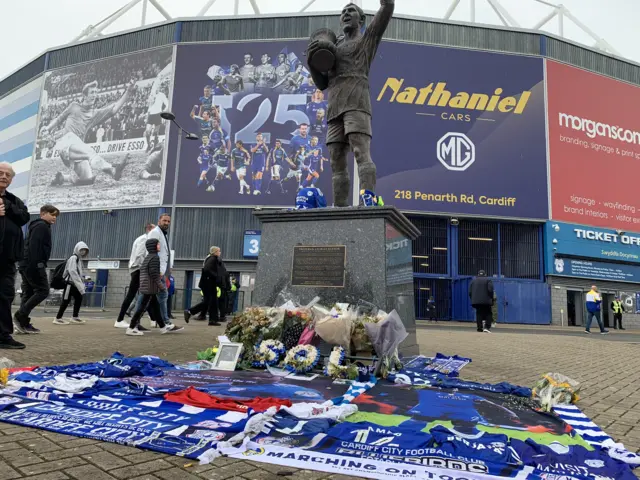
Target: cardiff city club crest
559,264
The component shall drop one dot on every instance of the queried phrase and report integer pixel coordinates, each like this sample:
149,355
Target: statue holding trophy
341,65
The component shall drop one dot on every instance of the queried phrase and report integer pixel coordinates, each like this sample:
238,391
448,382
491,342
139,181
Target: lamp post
170,116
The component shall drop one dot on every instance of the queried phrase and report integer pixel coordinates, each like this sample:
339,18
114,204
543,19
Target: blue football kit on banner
437,404
558,461
488,447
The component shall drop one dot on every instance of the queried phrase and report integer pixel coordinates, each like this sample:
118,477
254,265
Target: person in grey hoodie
74,276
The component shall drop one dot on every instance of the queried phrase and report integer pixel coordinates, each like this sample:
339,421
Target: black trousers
149,302
7,292
35,290
68,294
209,303
617,320
134,285
483,314
169,299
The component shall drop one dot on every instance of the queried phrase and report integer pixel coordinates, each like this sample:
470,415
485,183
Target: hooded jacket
150,271
74,272
593,301
37,247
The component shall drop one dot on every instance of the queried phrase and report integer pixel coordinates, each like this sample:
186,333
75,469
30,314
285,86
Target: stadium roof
501,15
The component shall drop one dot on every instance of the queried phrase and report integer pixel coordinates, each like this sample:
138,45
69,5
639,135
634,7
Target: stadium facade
509,150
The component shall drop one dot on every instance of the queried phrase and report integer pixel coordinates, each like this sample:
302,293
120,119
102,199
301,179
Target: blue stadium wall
514,256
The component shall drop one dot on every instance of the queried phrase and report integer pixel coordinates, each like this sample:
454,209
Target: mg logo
456,151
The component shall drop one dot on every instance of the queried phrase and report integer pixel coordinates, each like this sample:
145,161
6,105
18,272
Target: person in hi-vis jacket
617,307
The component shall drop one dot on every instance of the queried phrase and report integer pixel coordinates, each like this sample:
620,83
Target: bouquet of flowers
336,368
359,336
301,359
295,321
268,352
254,325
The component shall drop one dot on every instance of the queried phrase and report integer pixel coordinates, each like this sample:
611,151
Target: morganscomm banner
590,133
100,141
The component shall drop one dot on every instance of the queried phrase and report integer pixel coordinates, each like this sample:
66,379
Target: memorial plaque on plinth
355,253
319,266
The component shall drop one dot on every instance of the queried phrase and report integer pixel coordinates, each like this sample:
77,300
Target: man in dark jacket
33,268
151,284
214,276
13,216
481,295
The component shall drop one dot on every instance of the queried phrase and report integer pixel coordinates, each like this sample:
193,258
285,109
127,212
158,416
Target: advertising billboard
594,148
454,131
459,131
100,141
260,122
18,117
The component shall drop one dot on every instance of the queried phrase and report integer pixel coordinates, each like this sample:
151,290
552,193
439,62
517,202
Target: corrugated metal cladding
255,28
109,236
463,36
23,75
412,30
594,61
108,47
197,229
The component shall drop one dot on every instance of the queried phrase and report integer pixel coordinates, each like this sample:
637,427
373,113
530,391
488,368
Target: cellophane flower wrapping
295,322
336,328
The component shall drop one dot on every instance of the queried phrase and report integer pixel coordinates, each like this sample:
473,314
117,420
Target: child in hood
75,289
151,283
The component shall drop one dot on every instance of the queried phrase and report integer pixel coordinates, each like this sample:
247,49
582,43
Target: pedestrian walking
13,216
171,289
138,253
213,277
481,295
618,309
160,233
152,284
594,302
431,309
33,268
75,286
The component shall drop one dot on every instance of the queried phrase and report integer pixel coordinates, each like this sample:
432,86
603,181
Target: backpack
58,282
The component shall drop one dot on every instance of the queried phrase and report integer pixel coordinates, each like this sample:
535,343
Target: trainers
77,321
604,332
11,344
171,329
143,329
153,324
587,332
31,329
60,321
214,324
134,332
187,316
17,328
121,324
486,330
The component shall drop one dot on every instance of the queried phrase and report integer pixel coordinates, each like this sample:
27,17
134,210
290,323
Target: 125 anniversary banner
455,131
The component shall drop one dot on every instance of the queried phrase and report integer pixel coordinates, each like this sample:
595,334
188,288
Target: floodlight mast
505,18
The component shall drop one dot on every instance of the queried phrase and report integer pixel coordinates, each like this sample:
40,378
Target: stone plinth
377,265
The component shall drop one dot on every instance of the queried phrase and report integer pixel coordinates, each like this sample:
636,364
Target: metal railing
96,299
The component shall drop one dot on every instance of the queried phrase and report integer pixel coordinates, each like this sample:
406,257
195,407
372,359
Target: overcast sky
29,27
